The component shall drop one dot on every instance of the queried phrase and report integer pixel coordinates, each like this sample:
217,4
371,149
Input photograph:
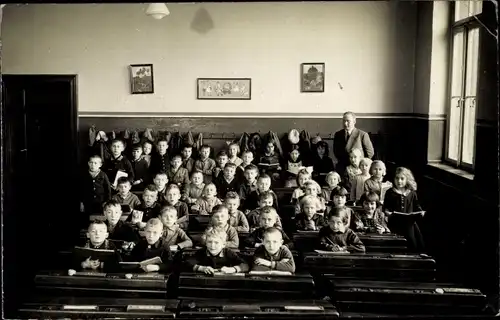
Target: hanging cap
293,136
316,139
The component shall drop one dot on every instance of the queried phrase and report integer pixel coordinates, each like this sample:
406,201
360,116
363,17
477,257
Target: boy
95,188
337,237
220,222
247,158
263,185
222,159
227,181
308,219
237,218
172,199
205,165
208,201
193,190
118,162
159,160
248,185
140,167
117,229
273,255
339,198
216,256
187,161
153,246
268,218
177,174
160,181
124,196
174,237
148,209
265,200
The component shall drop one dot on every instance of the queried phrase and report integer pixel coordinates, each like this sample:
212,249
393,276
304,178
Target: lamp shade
157,10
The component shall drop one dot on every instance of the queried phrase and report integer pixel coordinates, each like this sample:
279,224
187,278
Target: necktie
346,135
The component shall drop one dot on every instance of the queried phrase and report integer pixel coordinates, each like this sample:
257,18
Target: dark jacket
143,251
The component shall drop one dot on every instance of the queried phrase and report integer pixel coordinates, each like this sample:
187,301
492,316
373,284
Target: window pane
476,7
467,8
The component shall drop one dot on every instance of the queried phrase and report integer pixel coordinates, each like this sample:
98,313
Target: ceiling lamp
157,10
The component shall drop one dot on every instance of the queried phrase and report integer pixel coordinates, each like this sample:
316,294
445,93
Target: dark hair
251,166
118,140
173,186
162,138
167,209
123,180
110,203
176,156
147,141
232,195
339,191
98,222
322,144
151,187
187,145
265,195
339,213
222,153
205,146
137,146
370,197
219,207
230,165
294,147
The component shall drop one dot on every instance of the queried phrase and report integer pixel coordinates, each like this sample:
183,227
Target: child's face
147,147
369,206
117,148
270,148
214,245
187,152
204,153
303,178
113,214
263,184
94,164
97,234
311,190
220,218
377,170
267,202
400,181
309,209
153,233
365,169
232,204
124,188
247,158
160,181
294,155
267,220
162,147
233,151
169,218
250,175
210,191
221,161
149,197
336,224
197,178
176,162
273,242
136,153
321,150
229,172
355,158
173,195
339,201
332,181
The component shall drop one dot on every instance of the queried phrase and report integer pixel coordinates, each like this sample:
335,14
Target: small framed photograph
312,77
141,78
224,88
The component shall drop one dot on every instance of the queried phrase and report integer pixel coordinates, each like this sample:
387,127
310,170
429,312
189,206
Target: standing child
221,160
292,166
233,151
174,237
173,199
352,170
371,219
332,181
208,201
248,185
273,255
160,181
187,160
193,190
147,147
177,174
322,163
375,182
220,222
95,187
337,236
149,208
140,167
117,229
309,219
118,162
205,165
160,160
339,199
247,159
302,177
124,197
358,184
268,218
404,210
263,185
237,219
227,181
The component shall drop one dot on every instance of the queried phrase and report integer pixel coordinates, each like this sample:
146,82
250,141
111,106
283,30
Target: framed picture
312,77
141,78
224,88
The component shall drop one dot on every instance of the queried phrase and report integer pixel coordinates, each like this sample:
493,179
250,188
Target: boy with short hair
176,173
221,160
263,185
208,201
205,165
160,181
117,229
308,219
248,185
247,158
265,200
140,167
220,222
187,160
268,218
149,208
237,218
227,181
216,256
118,162
273,255
153,246
172,199
173,235
337,236
160,161
193,190
124,196
95,188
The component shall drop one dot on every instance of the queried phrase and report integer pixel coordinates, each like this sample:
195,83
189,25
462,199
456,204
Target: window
464,64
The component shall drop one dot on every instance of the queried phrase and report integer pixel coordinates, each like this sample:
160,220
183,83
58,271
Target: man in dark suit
349,138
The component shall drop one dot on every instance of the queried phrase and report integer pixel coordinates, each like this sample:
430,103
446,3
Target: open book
269,165
131,264
119,174
409,213
94,254
271,273
219,273
331,252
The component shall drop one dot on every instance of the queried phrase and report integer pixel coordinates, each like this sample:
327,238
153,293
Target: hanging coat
255,144
134,137
92,135
188,139
148,135
243,142
199,142
277,142
305,147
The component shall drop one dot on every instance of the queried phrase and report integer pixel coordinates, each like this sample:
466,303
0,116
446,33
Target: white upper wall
368,48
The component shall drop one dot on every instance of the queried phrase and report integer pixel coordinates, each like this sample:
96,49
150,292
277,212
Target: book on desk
140,264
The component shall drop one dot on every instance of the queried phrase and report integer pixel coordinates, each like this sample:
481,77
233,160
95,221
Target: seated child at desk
207,202
149,208
337,237
265,200
312,188
160,181
268,219
353,169
193,190
153,246
116,228
173,199
176,173
174,237
339,199
263,185
302,177
371,219
216,256
273,255
227,181
237,219
309,219
124,196
220,222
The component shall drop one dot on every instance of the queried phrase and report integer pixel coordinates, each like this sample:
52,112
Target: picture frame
224,89
312,77
141,78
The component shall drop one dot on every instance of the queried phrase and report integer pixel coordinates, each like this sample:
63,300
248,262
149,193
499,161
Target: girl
302,177
374,183
232,152
332,181
292,167
371,219
339,199
358,184
352,170
147,147
322,163
403,209
312,188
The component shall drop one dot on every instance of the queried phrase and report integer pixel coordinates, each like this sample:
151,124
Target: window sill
452,170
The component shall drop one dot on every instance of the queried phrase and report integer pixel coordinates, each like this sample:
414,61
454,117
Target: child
172,199
339,199
292,167
308,219
220,222
216,256
140,167
237,219
118,162
177,174
374,183
267,219
208,201
273,255
222,159
263,185
147,147
193,190
332,181
403,198
160,160
174,237
95,187
124,196
337,237
233,151
312,188
205,165
117,229
371,219
187,161
352,170
302,177
153,246
269,163
247,159
322,163
358,184
227,181
149,208
248,186
160,181
265,200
